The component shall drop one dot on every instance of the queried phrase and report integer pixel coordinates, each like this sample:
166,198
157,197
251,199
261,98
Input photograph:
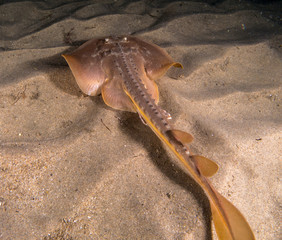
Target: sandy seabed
72,168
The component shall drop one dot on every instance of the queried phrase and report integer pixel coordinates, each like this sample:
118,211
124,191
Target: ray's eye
107,40
125,39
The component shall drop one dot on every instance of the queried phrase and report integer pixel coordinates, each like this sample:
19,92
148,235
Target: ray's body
123,69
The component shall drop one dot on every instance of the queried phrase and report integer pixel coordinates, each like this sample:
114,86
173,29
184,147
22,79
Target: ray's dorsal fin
181,136
206,166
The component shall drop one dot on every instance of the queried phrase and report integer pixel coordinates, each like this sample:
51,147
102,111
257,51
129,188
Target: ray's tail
229,223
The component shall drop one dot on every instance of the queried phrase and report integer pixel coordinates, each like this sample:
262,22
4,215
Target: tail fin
229,223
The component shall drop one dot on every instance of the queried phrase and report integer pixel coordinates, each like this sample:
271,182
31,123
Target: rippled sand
72,168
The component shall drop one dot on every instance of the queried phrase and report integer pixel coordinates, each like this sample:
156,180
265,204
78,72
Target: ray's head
90,70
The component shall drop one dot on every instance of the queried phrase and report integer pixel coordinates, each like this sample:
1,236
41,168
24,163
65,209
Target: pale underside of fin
142,119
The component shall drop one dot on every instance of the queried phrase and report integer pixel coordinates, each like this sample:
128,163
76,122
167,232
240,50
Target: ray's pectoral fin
157,60
115,97
86,68
156,71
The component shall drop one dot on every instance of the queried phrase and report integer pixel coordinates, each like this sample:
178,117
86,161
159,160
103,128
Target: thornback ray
124,70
